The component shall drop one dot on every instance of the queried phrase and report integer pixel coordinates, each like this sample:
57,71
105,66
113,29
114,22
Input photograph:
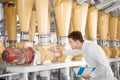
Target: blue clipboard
83,71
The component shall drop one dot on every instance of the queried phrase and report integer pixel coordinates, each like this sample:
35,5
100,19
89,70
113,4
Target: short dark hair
76,35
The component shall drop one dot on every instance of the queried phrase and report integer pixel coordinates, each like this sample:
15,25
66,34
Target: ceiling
108,6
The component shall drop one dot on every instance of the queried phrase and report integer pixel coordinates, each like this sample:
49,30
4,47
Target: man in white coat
94,57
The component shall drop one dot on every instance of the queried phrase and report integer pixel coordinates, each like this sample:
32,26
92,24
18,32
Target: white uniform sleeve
72,52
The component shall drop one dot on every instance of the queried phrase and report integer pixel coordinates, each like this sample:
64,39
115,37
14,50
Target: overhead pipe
104,4
112,8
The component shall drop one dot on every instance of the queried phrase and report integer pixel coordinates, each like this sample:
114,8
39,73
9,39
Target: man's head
76,40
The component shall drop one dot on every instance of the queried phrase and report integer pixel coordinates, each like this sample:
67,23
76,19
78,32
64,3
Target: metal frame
25,69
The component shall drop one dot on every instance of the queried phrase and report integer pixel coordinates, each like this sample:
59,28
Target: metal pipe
44,39
63,40
112,8
24,36
104,4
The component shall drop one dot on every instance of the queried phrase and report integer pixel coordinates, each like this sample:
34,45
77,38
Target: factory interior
28,28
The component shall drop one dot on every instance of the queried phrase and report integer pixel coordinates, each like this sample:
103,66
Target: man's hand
56,51
52,49
86,77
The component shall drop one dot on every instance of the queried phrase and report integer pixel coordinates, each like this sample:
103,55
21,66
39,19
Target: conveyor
25,69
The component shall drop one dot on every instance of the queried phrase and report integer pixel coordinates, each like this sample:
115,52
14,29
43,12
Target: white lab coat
95,57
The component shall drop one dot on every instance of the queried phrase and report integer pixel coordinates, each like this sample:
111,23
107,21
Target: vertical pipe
24,9
32,28
113,35
113,27
63,10
107,51
42,11
80,17
118,30
71,29
2,48
43,18
118,35
10,17
103,24
115,52
87,32
92,22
